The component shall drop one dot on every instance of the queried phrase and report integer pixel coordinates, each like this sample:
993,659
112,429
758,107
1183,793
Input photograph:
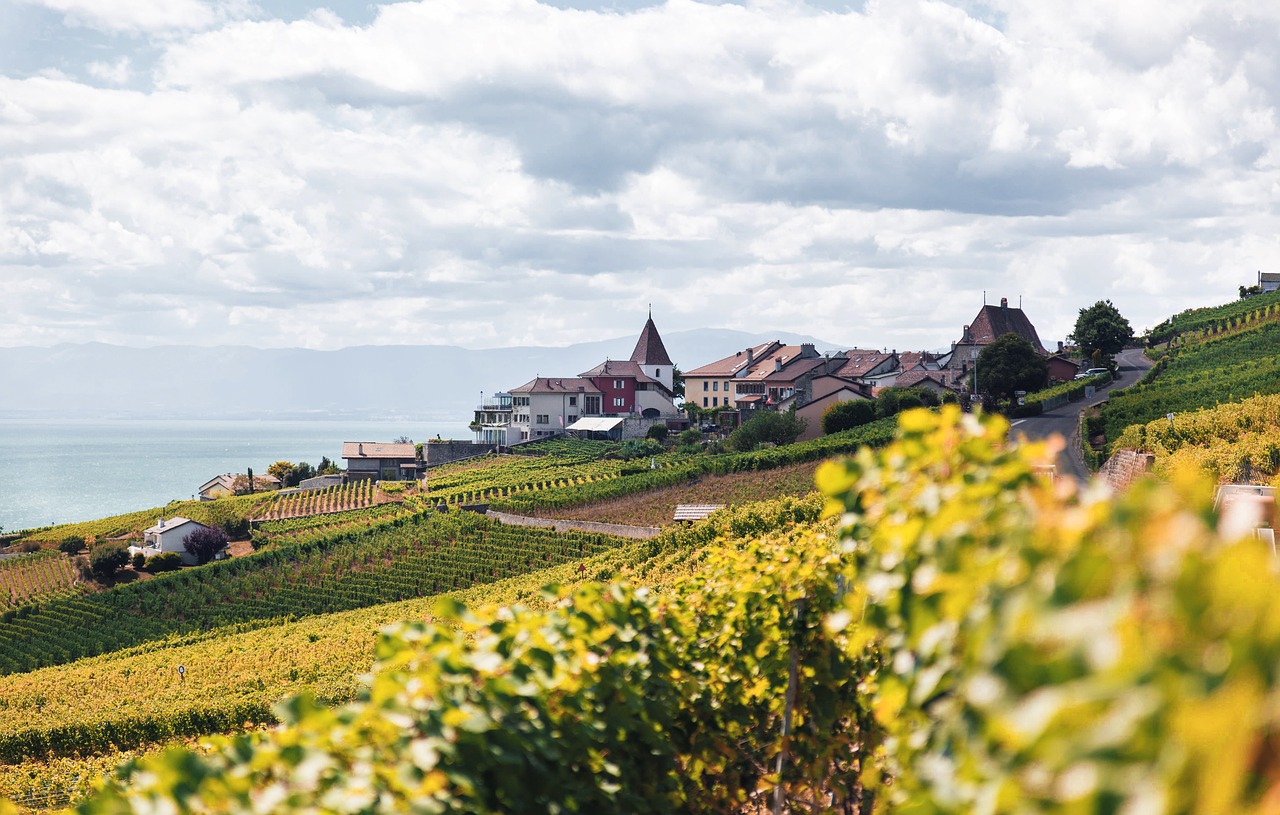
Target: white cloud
499,171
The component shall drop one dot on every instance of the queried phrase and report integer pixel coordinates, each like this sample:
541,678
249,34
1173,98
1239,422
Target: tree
677,383
281,470
327,467
847,415
767,426
1100,327
1011,364
106,558
298,473
71,544
657,432
204,543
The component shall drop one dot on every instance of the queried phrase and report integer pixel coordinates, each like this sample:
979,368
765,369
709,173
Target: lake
67,470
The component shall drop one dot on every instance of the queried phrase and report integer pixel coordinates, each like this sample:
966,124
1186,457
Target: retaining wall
1126,467
620,530
436,453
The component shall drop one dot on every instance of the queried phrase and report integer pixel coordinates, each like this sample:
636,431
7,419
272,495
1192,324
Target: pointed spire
649,348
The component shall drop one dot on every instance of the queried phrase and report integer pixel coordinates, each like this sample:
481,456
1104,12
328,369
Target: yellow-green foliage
977,640
132,524
1232,442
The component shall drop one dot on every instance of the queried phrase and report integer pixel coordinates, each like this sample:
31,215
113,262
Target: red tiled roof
649,348
546,384
731,365
915,377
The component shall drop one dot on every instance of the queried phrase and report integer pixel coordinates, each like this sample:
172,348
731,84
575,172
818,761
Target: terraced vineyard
1237,442
1201,375
1215,319
401,558
38,577
355,495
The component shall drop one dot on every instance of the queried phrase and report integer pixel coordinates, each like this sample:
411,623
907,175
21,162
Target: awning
595,423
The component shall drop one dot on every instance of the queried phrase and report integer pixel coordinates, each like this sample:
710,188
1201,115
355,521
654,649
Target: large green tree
1101,327
1011,364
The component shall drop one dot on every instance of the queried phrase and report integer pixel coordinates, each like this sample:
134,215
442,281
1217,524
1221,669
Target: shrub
893,401
636,448
767,426
71,544
106,558
26,547
657,432
164,562
203,544
848,415
139,560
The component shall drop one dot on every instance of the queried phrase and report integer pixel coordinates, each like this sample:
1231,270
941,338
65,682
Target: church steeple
649,348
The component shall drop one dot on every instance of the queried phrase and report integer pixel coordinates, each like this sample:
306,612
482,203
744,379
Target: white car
1093,372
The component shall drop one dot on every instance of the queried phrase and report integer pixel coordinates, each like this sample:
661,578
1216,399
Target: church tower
651,354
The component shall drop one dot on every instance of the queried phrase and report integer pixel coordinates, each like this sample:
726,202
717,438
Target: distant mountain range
416,382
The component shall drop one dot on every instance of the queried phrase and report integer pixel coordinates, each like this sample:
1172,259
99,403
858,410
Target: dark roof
619,367
377,449
649,348
546,384
996,321
860,362
915,376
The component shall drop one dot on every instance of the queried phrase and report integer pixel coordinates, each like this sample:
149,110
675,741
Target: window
571,420
715,386
715,401
617,384
618,401
544,418
726,386
704,399
705,385
573,401
657,373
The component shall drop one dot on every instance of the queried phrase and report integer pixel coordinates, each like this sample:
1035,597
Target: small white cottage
166,536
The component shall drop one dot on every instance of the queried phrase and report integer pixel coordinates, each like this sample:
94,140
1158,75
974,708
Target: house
922,378
761,376
868,367
167,537
220,486
546,406
492,419
1269,281
1062,369
630,389
378,461
990,323
826,391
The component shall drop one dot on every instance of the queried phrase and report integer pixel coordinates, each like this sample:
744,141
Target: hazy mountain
427,382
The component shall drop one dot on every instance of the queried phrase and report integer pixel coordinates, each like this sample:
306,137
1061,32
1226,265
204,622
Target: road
1065,419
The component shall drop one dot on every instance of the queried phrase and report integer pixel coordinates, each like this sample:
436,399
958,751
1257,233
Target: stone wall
1126,467
436,453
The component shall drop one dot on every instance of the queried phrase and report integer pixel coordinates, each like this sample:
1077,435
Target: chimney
751,357
777,365
160,522
808,351
1059,346
360,448
1004,302
966,333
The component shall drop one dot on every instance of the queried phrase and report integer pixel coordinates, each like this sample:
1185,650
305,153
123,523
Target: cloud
497,171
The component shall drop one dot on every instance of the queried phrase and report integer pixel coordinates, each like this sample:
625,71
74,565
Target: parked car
1093,372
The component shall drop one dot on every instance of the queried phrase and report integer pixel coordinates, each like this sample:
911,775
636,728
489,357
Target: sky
487,173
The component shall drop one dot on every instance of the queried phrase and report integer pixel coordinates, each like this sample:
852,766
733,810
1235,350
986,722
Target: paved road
1065,419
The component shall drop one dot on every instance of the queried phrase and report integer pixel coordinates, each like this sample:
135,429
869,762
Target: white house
167,536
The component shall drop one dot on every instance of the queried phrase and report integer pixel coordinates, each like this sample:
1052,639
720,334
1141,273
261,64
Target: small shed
688,513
